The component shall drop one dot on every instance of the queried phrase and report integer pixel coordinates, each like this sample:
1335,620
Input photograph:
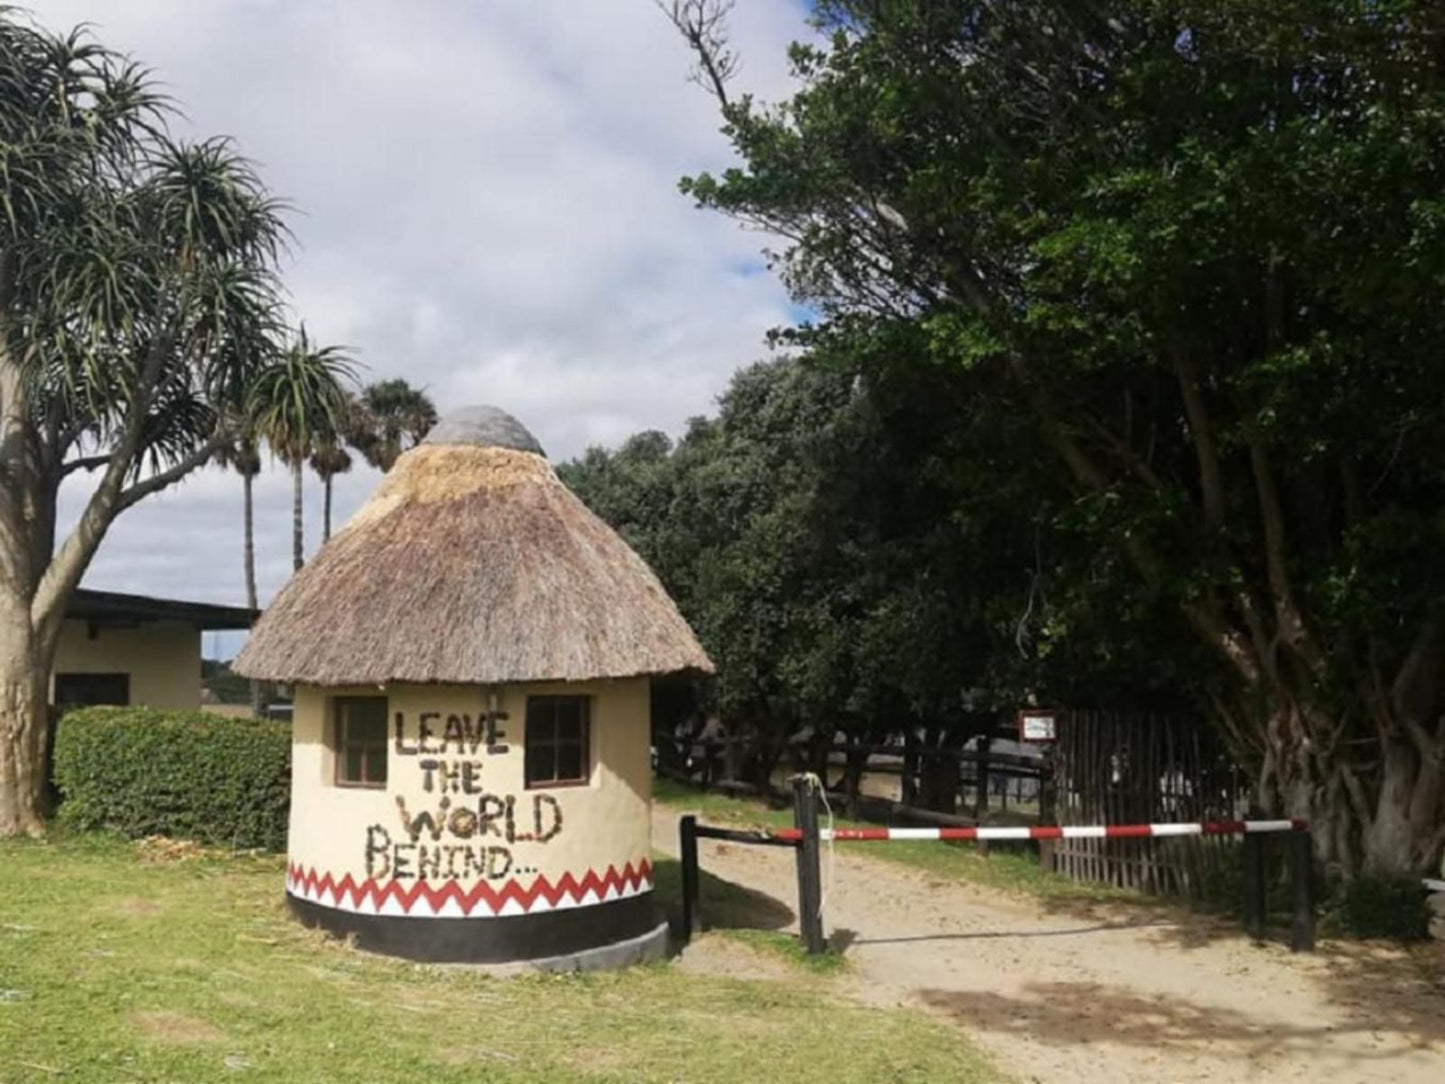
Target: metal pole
810,881
1302,888
1254,885
687,850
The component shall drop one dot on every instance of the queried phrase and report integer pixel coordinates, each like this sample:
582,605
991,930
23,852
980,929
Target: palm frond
299,401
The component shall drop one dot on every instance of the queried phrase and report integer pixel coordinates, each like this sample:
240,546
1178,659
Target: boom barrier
806,839
1047,831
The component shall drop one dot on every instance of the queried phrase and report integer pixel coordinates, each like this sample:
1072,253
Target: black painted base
510,939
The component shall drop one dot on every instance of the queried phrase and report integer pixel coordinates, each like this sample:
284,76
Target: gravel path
1110,996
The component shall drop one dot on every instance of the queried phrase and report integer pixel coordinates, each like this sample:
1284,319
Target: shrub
185,774
1373,906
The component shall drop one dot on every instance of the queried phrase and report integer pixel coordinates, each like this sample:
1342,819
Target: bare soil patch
716,954
174,1027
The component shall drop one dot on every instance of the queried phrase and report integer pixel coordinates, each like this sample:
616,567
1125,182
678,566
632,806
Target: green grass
115,970
1011,870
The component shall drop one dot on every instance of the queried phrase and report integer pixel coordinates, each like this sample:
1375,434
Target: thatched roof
471,563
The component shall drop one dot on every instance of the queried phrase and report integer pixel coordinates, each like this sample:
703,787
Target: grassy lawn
114,969
1010,869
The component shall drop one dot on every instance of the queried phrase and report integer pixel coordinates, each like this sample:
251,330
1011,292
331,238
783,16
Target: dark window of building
360,741
83,690
557,741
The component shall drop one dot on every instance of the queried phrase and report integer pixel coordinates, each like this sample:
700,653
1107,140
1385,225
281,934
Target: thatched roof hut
472,564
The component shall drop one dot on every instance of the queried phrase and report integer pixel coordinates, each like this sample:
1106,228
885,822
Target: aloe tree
138,299
387,418
298,403
328,460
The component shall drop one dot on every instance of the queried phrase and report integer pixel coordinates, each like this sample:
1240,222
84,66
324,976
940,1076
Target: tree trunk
248,481
24,716
941,772
856,762
908,788
1385,819
326,514
297,538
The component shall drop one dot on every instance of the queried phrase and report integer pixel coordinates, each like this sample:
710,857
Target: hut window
558,753
361,741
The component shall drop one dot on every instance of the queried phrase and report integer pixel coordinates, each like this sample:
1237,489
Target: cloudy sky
487,205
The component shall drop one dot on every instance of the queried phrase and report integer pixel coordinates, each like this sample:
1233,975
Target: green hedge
183,774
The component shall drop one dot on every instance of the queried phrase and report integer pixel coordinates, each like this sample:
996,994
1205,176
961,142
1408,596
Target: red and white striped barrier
1087,831
805,843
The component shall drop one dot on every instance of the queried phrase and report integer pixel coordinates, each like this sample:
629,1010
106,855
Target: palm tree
328,460
241,455
387,418
298,403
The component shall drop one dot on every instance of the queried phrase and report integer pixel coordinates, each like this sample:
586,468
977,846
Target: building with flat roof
134,649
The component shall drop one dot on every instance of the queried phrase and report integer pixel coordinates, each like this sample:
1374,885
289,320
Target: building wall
163,659
495,848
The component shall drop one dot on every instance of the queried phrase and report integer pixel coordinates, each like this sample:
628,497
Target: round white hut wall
457,829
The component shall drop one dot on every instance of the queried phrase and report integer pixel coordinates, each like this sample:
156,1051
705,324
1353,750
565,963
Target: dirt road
1095,996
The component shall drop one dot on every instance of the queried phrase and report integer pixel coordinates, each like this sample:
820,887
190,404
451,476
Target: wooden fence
980,776
1118,768
1105,768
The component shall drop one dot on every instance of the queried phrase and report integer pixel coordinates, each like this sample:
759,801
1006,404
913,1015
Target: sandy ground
1100,995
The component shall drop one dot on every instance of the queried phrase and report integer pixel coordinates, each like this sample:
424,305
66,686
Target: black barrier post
1254,885
687,851
810,881
1302,888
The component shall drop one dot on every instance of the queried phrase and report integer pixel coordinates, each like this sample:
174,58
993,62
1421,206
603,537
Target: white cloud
487,205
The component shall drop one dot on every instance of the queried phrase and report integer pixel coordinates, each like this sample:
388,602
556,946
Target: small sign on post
1037,725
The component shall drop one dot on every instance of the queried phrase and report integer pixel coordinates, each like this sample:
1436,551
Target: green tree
387,418
826,537
138,297
1198,247
298,404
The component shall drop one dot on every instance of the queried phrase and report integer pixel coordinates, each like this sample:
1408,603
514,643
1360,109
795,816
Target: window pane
556,742
376,763
365,720
361,743
569,761
541,723
569,721
541,764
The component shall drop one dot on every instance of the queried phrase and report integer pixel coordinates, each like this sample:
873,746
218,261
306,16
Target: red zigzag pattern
542,895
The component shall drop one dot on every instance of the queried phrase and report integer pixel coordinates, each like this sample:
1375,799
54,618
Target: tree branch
1208,626
1291,625
1415,694
69,562
1130,457
159,481
703,25
88,462
1201,432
